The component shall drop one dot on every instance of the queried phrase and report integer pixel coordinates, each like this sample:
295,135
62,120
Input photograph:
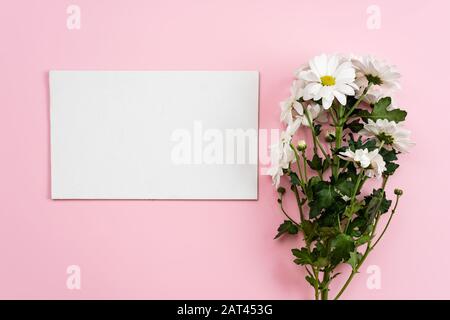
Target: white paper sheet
114,134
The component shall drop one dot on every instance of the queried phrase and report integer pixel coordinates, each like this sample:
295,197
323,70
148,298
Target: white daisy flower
328,77
373,95
377,165
390,132
372,162
281,155
360,156
291,108
384,77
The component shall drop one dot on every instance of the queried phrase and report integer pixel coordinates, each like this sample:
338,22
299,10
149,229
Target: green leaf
345,187
311,280
355,126
373,206
389,156
390,168
315,163
342,246
355,258
321,262
362,240
385,205
324,197
370,144
380,112
326,164
286,227
303,257
314,209
294,178
312,182
376,203
327,232
357,226
309,230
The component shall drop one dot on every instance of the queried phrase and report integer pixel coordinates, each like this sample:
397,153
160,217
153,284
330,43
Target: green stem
389,221
336,159
299,203
315,139
334,116
325,280
316,284
304,165
357,102
369,248
352,201
326,275
297,161
285,213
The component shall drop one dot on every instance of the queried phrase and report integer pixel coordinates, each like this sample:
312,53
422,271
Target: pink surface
210,249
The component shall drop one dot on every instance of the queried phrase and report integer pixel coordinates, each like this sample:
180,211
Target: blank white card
154,134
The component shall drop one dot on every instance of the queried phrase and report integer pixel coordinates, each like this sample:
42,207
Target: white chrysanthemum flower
373,95
372,162
360,156
328,77
291,108
384,77
390,132
281,155
377,165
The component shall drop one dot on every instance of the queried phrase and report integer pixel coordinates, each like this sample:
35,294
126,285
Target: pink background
210,249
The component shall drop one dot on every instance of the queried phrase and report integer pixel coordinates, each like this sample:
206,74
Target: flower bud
398,192
281,190
330,136
301,145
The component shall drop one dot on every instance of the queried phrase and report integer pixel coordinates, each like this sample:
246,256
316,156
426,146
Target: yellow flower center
328,80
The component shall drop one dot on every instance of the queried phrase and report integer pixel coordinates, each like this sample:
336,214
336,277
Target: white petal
333,62
345,89
319,64
309,76
340,97
326,103
311,90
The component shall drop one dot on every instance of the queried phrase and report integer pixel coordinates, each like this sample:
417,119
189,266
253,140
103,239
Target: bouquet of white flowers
356,134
